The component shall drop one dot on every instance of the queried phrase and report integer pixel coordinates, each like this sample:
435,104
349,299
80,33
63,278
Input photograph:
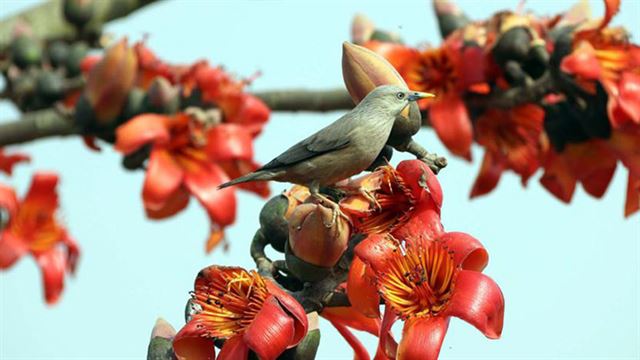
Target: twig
35,125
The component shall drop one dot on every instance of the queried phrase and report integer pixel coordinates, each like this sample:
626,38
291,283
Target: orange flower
513,140
7,162
188,159
246,310
30,226
425,282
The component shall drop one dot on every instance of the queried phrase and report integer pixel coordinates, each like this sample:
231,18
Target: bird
342,149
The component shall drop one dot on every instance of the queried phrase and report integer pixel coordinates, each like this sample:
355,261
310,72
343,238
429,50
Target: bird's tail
254,176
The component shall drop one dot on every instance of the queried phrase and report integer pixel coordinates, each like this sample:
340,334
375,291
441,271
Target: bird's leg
373,202
314,189
435,162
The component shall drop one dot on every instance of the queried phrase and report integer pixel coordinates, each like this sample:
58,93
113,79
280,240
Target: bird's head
392,98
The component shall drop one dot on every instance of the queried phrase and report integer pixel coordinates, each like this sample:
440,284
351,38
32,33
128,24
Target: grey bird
343,149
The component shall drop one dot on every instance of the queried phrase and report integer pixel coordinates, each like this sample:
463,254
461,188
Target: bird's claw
373,202
435,162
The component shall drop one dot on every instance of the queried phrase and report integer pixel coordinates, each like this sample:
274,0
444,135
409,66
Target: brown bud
314,238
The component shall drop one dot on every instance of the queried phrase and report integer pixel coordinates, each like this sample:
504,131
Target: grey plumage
342,149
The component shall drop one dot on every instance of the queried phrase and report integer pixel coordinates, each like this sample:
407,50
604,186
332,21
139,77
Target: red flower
632,203
512,140
245,310
188,157
32,227
606,55
8,161
425,281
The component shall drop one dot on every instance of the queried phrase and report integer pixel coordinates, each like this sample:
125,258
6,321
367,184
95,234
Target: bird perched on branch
343,149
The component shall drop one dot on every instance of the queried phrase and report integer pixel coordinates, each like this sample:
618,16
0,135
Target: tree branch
47,21
306,100
37,124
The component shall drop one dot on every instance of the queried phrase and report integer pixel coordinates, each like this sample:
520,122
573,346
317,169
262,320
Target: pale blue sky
569,273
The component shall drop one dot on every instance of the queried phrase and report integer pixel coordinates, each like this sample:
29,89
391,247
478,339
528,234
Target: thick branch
35,125
47,22
306,100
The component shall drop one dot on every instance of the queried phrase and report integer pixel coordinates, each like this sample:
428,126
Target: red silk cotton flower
190,157
8,161
30,226
247,311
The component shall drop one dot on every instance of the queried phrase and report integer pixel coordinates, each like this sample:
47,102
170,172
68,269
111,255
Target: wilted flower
245,310
31,227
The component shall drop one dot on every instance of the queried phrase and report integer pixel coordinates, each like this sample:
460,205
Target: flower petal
360,352
234,348
190,343
477,299
387,346
271,332
582,62
8,161
8,199
253,113
632,203
202,181
424,221
229,142
164,177
73,252
52,263
420,178
173,205
293,307
628,101
468,252
42,193
347,315
141,130
489,175
11,249
422,338
557,178
374,249
361,289
450,120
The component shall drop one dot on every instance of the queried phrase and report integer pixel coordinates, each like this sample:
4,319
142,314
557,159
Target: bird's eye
400,95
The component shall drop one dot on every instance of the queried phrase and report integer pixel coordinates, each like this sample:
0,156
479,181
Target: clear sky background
569,273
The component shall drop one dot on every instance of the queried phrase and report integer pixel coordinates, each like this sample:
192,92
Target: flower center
35,226
394,203
419,279
433,72
230,302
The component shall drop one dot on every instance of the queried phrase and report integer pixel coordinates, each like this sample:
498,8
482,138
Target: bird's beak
415,96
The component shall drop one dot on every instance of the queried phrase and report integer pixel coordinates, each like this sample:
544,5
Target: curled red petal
271,332
374,250
73,252
234,348
611,8
468,252
163,178
361,289
229,142
424,221
450,120
489,175
253,113
420,178
173,205
478,300
360,352
190,343
7,162
582,62
52,264
557,178
141,130
203,181
598,180
293,307
422,338
387,346
8,199
90,142
632,203
627,103
42,192
347,315
11,249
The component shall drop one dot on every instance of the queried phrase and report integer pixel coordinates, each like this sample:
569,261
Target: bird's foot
373,202
435,162
325,201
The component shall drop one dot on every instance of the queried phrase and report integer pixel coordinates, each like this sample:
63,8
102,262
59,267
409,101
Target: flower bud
49,86
77,53
162,97
314,239
273,223
58,52
361,29
78,12
26,51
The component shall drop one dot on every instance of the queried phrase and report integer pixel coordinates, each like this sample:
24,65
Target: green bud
26,51
84,114
134,105
303,270
77,52
58,52
306,349
78,12
273,223
160,349
49,85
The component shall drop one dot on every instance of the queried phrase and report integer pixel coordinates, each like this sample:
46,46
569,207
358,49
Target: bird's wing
312,146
